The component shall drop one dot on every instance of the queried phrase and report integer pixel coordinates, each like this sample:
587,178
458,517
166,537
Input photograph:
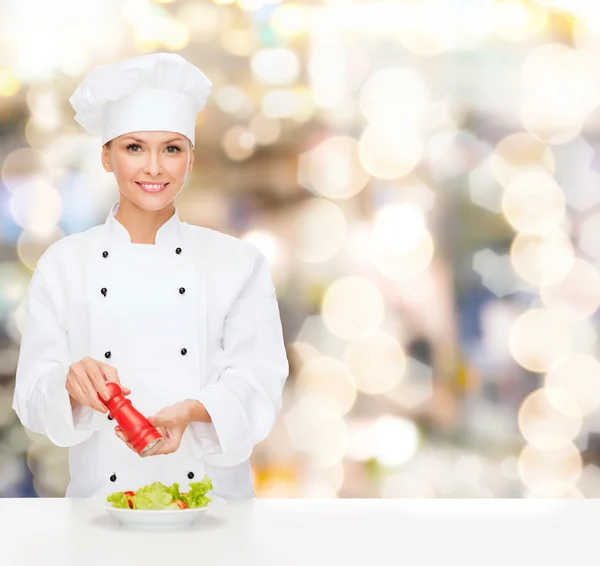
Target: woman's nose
153,166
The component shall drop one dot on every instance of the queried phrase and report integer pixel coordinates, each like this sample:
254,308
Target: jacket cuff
63,428
205,438
229,424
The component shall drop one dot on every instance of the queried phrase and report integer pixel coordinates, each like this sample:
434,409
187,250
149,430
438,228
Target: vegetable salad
160,496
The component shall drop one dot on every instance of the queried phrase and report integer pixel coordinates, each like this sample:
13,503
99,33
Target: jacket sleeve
246,399
41,400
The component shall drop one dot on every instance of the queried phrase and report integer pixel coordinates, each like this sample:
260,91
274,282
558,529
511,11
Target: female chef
184,317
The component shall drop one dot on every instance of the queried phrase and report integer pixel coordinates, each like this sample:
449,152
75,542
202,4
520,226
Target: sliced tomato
129,495
181,504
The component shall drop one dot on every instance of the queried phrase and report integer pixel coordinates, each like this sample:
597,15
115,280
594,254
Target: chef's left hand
171,422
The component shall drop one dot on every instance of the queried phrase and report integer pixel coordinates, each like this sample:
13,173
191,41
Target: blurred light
377,362
539,338
549,425
36,206
327,67
31,245
285,103
303,350
312,428
176,36
277,66
416,387
353,308
19,320
400,227
240,42
153,26
266,242
395,440
389,150
40,37
397,94
22,166
334,476
534,203
266,130
578,294
451,153
223,2
516,21
291,20
588,240
405,485
202,20
329,380
320,231
554,490
14,286
231,99
401,265
484,191
495,272
542,259
519,152
579,374
563,88
539,467
238,143
9,83
252,5
332,169
45,107
432,27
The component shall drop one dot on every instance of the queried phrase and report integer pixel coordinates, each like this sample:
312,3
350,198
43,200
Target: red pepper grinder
135,427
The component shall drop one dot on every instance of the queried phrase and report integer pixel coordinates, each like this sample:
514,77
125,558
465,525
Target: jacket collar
168,235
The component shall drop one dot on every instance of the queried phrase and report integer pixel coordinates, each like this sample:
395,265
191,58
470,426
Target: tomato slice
181,504
129,495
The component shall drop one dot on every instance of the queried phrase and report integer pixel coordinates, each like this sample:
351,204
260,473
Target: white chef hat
155,92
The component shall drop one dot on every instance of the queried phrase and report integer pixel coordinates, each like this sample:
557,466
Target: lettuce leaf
196,496
118,499
154,496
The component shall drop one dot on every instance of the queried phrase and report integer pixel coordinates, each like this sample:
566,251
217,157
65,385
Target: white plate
157,520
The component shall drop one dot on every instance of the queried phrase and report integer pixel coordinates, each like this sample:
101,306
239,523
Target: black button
107,354
178,251
113,477
110,418
183,351
181,290
104,254
103,291
191,475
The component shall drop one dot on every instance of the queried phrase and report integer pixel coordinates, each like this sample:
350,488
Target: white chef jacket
193,316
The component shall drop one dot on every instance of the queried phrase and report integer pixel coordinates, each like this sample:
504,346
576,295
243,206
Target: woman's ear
105,158
191,164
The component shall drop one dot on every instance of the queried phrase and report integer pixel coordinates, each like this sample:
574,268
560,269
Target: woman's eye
175,147
132,145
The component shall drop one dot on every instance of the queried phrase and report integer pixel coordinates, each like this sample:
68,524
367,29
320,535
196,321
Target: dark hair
108,144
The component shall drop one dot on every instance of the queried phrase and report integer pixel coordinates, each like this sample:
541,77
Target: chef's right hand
87,378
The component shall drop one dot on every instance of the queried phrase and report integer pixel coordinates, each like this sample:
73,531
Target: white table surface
312,532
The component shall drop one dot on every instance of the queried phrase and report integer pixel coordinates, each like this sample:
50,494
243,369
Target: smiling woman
137,292
150,168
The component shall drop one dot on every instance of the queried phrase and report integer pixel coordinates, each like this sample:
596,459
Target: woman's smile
152,187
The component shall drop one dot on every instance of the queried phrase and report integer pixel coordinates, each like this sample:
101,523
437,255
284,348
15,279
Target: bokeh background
422,177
